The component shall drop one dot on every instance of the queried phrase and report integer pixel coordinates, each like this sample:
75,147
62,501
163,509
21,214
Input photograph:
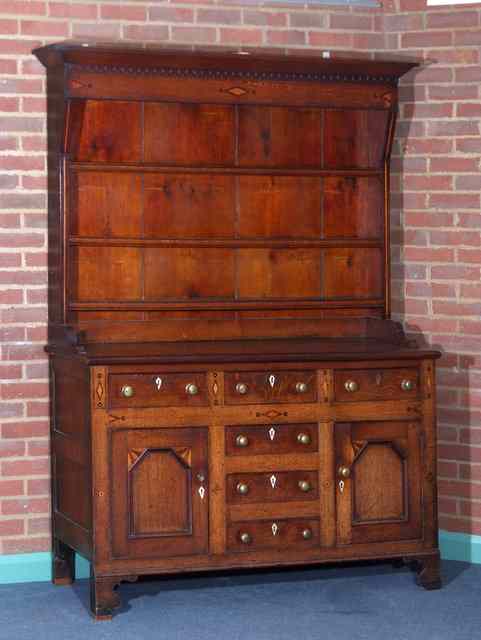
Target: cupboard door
378,467
159,492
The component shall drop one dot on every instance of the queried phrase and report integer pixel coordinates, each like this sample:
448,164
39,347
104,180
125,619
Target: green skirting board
35,567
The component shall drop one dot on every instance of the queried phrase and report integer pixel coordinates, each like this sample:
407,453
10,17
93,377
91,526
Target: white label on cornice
433,3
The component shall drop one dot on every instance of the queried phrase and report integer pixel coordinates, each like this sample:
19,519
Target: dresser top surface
254,350
249,59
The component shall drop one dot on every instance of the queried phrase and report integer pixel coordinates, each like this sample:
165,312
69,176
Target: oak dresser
227,389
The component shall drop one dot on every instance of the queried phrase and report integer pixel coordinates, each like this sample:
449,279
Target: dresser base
105,597
428,568
63,563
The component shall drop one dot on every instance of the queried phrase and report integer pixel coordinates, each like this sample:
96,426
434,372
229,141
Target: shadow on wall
412,292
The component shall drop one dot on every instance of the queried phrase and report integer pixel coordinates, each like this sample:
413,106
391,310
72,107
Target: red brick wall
436,227
435,198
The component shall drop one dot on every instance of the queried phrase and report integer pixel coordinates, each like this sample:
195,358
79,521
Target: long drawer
158,389
270,387
278,486
271,439
295,533
353,385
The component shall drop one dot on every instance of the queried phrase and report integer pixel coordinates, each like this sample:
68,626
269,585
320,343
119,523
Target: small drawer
275,486
271,439
261,387
158,389
273,534
376,384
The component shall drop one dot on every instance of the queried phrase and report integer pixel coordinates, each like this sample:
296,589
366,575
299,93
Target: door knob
351,386
242,441
301,387
343,472
127,391
241,388
303,438
191,389
304,485
245,538
242,488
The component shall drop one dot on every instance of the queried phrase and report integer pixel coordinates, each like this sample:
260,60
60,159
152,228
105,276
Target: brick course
435,208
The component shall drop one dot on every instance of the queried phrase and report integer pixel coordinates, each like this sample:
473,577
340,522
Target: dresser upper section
197,187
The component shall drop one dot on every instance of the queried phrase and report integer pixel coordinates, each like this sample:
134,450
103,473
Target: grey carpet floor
372,602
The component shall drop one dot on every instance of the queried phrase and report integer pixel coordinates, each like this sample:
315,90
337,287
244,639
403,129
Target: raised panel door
378,484
159,492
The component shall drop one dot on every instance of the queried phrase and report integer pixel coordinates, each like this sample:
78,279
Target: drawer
275,486
158,389
253,535
271,439
260,387
376,384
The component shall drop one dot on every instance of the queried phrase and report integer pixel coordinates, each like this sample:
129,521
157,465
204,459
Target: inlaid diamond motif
99,391
236,91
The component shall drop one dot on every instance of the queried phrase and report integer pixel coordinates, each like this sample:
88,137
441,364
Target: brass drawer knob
304,485
127,391
343,472
242,441
241,388
301,387
192,389
245,537
242,488
351,386
407,385
307,534
303,438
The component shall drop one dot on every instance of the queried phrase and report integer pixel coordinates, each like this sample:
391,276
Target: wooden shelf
227,170
224,305
230,243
